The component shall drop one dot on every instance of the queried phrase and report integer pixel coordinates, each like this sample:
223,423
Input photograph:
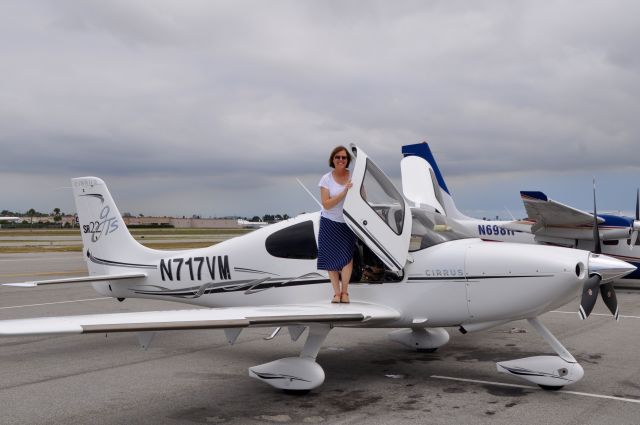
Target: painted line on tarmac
44,273
594,314
58,302
528,387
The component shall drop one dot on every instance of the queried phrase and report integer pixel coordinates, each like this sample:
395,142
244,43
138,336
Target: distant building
129,220
220,223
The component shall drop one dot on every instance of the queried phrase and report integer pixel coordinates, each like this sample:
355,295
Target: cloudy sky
215,107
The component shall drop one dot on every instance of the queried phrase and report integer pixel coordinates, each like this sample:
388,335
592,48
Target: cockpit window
297,241
382,197
430,228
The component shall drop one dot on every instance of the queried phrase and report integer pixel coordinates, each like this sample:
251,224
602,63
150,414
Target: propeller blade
597,248
589,296
633,239
609,298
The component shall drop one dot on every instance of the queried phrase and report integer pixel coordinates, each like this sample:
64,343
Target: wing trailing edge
82,279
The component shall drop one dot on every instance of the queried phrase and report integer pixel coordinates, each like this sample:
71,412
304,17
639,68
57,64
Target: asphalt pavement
191,377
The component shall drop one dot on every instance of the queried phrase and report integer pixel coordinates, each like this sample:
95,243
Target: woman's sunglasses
340,157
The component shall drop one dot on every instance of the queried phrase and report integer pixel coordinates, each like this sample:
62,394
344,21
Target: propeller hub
608,268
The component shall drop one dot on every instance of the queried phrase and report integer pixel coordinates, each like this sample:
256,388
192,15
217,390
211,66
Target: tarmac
76,240
196,377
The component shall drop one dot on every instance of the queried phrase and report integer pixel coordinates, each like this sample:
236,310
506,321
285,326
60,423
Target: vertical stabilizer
106,239
423,151
419,183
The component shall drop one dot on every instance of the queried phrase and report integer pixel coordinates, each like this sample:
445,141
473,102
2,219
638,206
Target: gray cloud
226,101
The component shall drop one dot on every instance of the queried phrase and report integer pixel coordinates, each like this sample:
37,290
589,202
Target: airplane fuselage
448,284
617,248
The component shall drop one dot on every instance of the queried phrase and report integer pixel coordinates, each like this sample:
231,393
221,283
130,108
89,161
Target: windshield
430,228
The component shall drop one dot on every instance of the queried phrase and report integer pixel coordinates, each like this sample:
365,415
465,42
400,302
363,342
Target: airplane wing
210,318
547,212
82,279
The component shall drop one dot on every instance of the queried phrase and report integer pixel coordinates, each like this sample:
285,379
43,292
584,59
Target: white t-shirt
335,188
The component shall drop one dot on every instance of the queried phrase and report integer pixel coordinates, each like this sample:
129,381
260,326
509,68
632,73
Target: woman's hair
335,151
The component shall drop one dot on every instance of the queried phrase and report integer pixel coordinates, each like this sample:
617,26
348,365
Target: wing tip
533,195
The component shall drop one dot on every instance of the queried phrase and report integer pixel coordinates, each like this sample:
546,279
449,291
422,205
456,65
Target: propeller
633,239
609,298
589,295
599,267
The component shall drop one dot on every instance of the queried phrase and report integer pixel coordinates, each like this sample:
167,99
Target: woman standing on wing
336,241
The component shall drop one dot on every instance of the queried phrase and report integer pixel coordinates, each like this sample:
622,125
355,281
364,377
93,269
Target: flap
82,279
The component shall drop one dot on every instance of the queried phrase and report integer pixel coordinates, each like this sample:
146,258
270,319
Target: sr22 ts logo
104,226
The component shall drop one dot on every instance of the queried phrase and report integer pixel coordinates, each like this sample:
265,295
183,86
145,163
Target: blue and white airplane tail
422,150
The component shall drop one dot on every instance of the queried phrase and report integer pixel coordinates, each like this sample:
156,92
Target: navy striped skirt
336,243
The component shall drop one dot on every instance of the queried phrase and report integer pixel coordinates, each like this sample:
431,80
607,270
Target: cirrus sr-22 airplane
414,269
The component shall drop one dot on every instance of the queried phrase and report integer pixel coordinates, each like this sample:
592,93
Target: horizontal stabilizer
211,318
82,279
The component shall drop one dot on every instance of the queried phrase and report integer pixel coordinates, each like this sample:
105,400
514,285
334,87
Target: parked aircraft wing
82,279
547,212
212,318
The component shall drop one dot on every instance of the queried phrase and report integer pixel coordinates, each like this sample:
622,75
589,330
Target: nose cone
608,268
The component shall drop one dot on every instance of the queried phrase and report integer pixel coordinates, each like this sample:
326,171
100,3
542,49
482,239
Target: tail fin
419,183
423,151
106,239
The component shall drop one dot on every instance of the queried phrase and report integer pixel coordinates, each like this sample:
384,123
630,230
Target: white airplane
433,277
251,224
10,218
549,222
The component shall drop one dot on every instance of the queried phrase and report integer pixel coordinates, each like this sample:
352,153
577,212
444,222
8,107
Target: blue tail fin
423,151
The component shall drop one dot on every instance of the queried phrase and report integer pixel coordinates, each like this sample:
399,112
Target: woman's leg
345,275
335,281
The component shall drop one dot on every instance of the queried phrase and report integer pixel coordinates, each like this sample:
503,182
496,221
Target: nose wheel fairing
549,372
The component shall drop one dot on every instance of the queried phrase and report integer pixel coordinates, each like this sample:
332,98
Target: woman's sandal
344,298
336,299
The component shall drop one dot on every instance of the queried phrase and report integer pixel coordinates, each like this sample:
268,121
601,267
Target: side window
383,197
297,241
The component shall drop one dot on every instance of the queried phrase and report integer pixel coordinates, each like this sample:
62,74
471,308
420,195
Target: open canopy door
377,212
